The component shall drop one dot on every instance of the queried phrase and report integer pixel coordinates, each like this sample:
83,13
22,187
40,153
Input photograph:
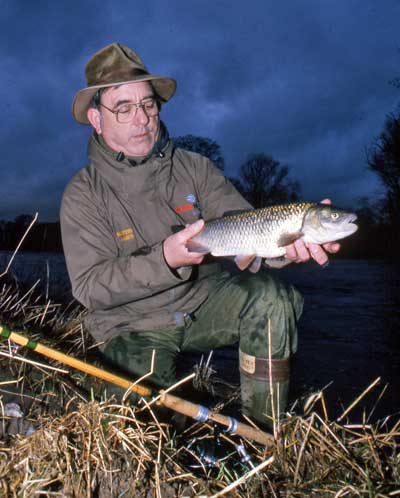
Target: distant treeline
42,237
372,240
264,181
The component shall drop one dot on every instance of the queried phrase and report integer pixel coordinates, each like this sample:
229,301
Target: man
144,290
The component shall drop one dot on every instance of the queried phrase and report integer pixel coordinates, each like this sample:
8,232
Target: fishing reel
213,451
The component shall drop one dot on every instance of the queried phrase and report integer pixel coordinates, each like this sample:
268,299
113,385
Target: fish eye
334,216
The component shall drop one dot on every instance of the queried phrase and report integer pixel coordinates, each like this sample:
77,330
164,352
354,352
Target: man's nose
141,117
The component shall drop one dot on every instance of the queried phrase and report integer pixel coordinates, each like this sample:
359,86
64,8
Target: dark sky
306,81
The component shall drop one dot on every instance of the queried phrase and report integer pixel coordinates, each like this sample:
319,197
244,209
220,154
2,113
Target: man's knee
131,357
269,318
268,291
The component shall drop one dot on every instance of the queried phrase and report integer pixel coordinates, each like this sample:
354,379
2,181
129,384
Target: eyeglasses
126,112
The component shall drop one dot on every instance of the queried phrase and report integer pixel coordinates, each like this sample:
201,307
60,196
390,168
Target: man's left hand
299,252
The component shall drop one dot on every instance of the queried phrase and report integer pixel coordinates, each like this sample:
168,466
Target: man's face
135,138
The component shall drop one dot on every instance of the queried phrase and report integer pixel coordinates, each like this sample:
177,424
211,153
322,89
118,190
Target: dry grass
83,446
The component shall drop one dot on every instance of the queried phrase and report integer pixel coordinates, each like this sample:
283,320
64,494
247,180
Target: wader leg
264,387
241,308
265,356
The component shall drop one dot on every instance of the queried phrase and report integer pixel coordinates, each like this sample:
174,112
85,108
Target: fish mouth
351,217
353,227
349,222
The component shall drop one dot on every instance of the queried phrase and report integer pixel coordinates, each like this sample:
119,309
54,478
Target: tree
384,160
23,220
264,181
370,241
42,236
204,146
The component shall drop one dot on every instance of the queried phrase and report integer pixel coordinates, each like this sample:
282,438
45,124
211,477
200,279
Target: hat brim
163,86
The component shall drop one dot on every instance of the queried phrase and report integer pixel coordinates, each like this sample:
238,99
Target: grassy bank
65,438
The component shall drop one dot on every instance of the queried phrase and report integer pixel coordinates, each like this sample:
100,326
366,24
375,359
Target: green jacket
114,218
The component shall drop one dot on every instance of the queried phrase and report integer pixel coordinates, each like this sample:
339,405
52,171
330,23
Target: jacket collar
118,170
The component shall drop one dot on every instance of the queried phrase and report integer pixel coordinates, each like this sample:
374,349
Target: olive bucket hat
115,65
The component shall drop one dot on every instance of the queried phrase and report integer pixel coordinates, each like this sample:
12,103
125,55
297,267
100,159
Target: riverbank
62,440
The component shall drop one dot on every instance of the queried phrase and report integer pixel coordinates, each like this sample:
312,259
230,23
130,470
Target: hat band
118,76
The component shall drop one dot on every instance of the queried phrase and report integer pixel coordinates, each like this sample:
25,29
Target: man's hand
298,252
175,251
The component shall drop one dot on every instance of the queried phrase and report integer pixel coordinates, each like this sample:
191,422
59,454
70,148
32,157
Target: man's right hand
175,251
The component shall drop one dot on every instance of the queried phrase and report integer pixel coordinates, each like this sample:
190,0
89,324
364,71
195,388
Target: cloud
307,84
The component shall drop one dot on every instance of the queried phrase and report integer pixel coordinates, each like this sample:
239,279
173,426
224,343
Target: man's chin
143,146
140,152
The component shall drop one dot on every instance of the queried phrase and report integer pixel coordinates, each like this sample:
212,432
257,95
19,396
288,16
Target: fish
253,235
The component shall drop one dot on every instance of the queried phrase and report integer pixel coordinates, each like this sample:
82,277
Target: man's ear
94,119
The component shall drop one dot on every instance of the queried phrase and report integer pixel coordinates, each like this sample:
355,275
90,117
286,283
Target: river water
349,333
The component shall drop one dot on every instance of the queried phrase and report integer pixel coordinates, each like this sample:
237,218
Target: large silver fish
264,233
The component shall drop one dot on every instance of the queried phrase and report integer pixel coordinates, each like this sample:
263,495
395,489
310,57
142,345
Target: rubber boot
264,388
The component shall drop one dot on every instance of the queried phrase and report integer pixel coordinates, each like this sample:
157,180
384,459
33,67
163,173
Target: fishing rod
180,405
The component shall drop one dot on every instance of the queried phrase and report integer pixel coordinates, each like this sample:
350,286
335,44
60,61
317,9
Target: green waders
239,308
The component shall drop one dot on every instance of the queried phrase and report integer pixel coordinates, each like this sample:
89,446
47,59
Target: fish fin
255,265
236,211
287,238
243,261
193,246
277,262
177,228
230,213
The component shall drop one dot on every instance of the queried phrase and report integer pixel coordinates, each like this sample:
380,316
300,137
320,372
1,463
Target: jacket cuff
184,272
